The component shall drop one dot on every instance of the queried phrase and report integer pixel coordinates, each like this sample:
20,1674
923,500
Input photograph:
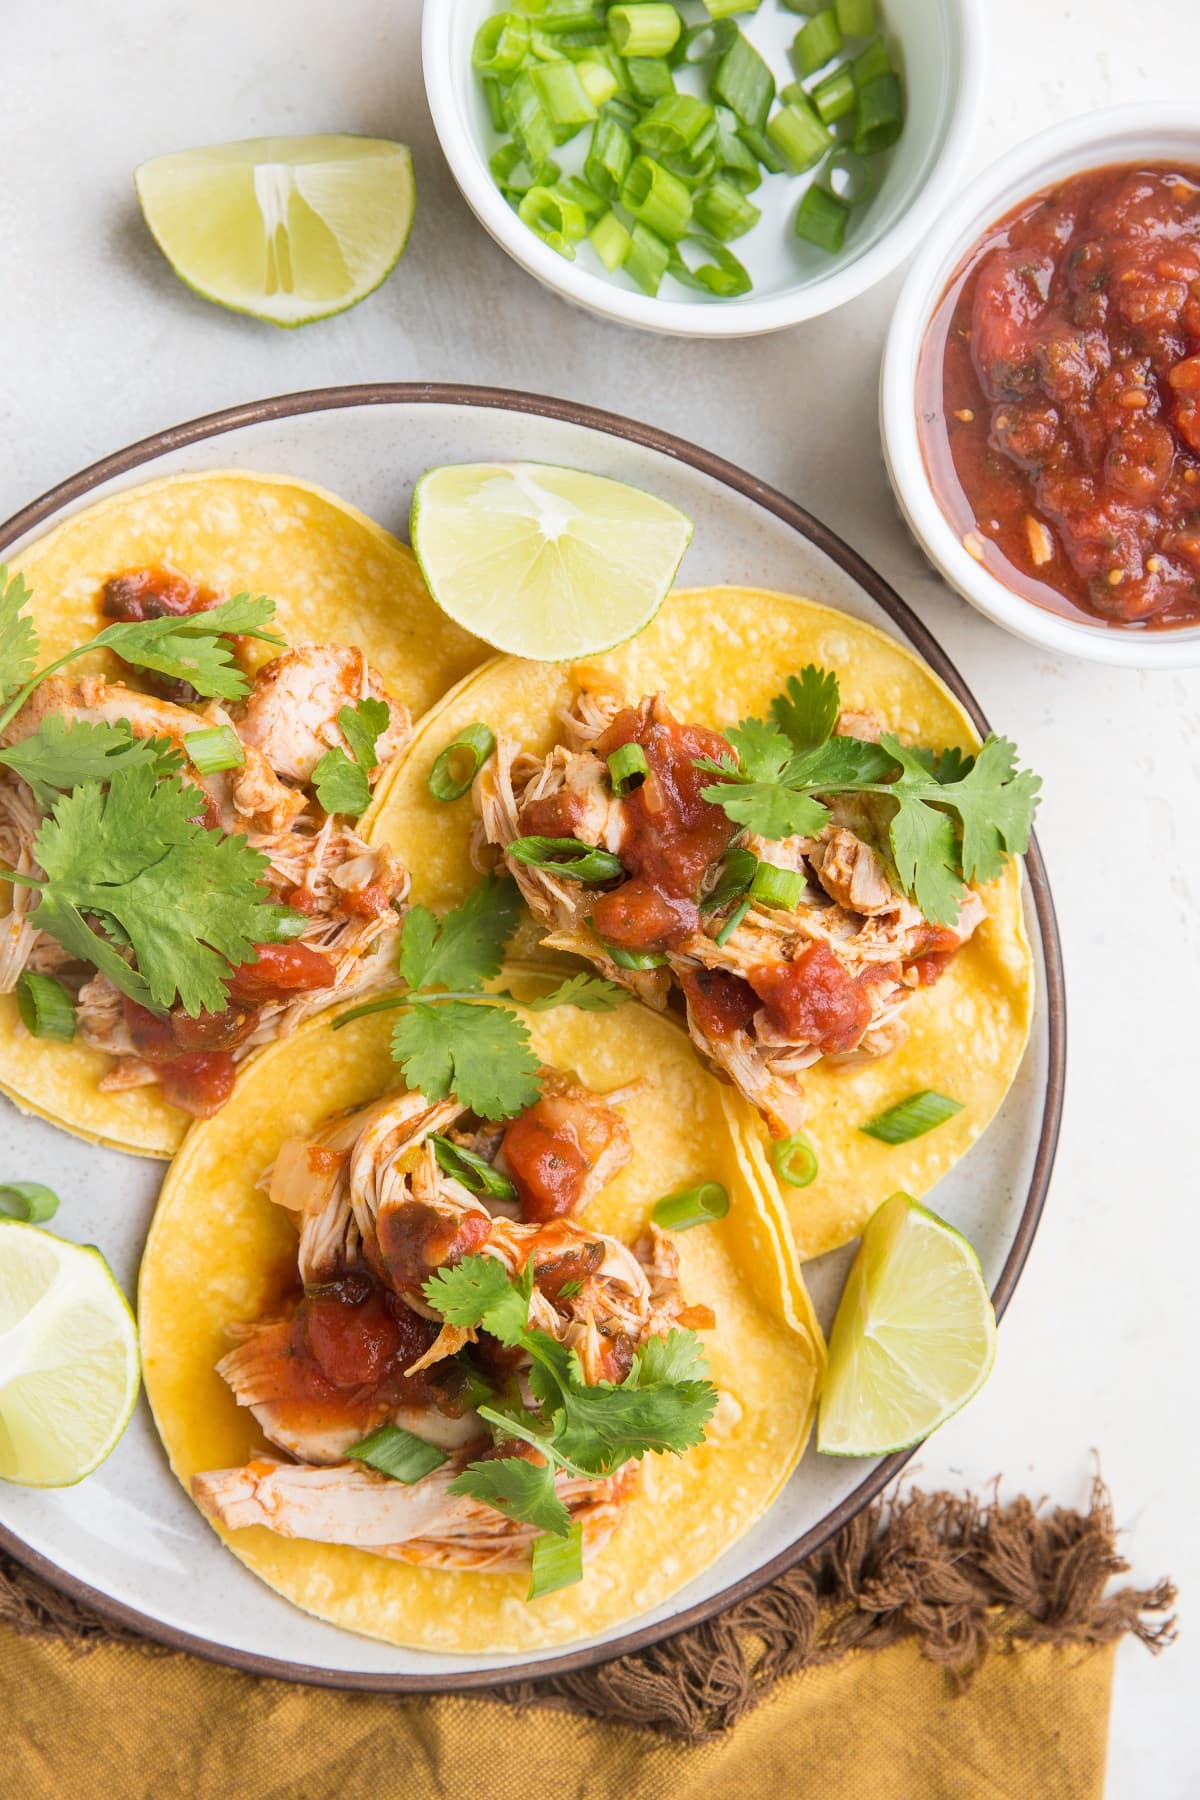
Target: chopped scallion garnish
821,218
635,959
557,1562
627,768
912,1117
817,43
46,1008
732,922
694,1206
745,83
657,199
29,1201
736,877
776,887
398,1453
649,28
567,857
215,748
475,1174
795,1160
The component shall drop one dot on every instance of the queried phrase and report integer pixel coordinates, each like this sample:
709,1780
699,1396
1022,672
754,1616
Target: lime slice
290,229
68,1358
914,1337
545,562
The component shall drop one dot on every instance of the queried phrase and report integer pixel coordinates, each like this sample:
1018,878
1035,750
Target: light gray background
100,344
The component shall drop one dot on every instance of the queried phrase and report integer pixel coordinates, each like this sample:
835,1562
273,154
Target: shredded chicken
290,714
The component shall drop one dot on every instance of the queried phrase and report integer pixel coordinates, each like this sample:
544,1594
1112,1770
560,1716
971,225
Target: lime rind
69,1366
914,1338
544,561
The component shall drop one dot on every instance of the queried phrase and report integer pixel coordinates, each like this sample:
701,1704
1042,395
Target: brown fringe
961,1575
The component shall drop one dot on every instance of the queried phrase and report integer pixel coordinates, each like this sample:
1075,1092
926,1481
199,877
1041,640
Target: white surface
373,455
1121,134
100,344
941,61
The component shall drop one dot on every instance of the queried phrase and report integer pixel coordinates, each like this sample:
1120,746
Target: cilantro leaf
362,725
194,647
61,755
519,1489
479,1053
478,1291
994,804
189,902
590,993
763,751
340,785
598,1427
677,1357
466,947
18,635
808,711
771,810
841,762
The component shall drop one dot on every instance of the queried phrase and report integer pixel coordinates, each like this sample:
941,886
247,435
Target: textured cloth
937,1647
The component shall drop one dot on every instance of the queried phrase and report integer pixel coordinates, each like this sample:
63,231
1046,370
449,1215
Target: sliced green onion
705,43
732,922
566,15
849,178
590,203
627,768
398,1453
777,887
799,136
694,172
290,923
527,120
30,1201
856,18
821,218
817,42
493,94
724,211
880,115
722,274
722,9
693,1206
475,1390
46,1008
650,78
582,46
657,199
501,44
736,877
598,81
675,125
544,47
795,1160
215,748
745,83
610,240
456,767
635,959
474,1172
647,259
650,28
733,157
835,96
610,157
563,94
761,147
558,221
870,63
556,1562
911,1118
625,112
567,857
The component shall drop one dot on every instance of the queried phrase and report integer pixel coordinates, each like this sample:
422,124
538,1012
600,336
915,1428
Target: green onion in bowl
636,131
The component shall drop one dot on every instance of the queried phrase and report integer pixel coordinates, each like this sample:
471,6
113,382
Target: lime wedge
544,562
290,229
68,1358
914,1337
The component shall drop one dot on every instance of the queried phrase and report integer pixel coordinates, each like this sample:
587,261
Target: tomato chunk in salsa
1059,397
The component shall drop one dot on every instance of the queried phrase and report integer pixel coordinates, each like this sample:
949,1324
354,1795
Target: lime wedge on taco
544,562
68,1358
289,229
914,1337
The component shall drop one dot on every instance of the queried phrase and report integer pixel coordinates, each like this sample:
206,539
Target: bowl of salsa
1041,390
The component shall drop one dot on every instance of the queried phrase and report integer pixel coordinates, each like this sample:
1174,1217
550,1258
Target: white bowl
941,45
1121,134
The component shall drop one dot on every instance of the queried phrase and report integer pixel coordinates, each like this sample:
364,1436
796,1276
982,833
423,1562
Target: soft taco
254,652
772,817
441,1379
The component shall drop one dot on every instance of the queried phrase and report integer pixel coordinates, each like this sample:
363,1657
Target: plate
128,1541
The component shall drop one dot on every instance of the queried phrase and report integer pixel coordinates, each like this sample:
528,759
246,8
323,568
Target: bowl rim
745,318
1083,141
66,495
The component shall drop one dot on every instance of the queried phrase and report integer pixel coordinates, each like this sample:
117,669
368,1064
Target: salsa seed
1115,577
973,547
1153,565
1041,544
965,414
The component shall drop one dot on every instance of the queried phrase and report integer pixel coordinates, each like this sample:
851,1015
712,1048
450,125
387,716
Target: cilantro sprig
342,782
192,647
63,754
589,1430
950,819
453,1037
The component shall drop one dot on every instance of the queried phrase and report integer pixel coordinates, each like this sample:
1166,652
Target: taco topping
421,1301
797,878
191,905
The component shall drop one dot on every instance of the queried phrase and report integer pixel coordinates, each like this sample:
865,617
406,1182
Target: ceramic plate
128,1541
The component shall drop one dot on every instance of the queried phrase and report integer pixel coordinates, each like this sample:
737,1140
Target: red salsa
1059,397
